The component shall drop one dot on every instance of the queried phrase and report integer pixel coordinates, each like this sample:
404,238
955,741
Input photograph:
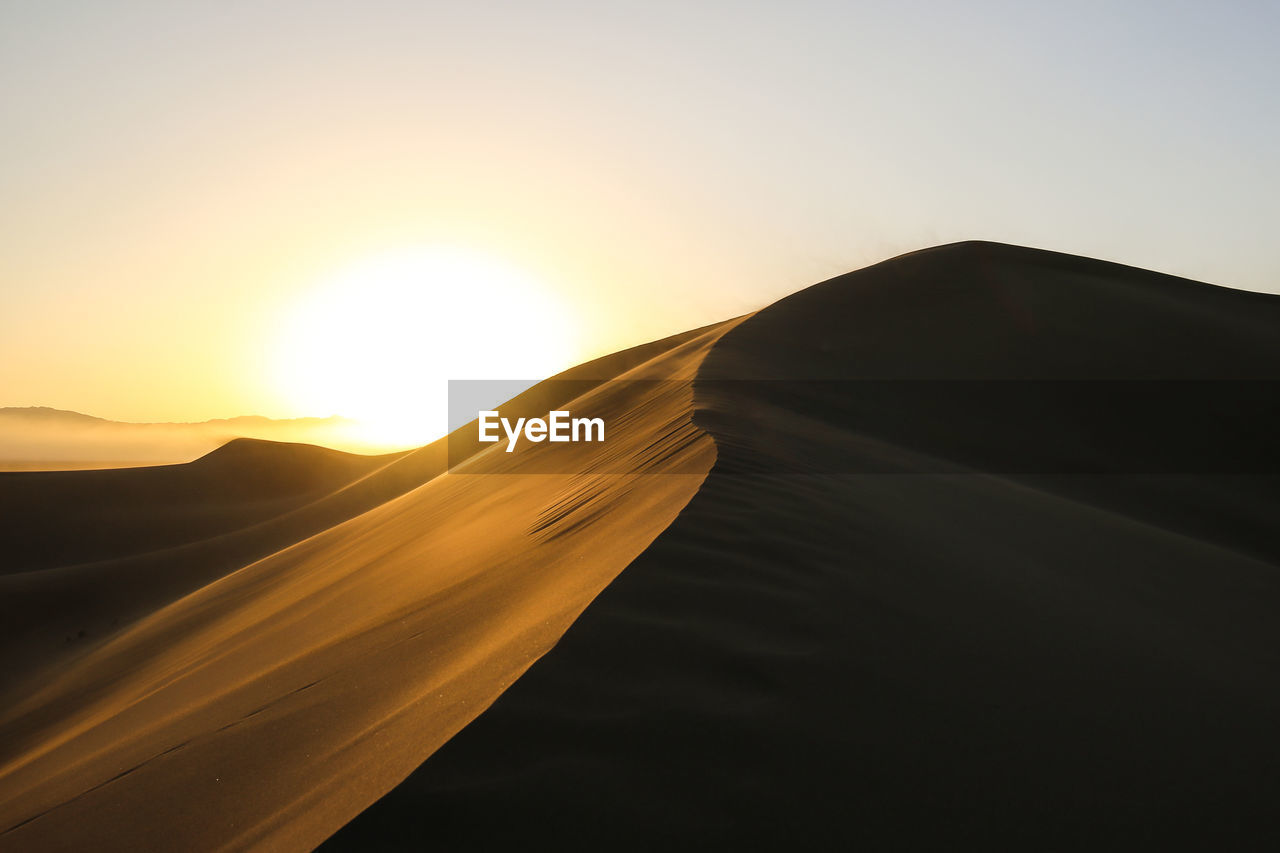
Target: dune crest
812,658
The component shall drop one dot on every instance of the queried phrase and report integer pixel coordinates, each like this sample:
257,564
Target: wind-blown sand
836,624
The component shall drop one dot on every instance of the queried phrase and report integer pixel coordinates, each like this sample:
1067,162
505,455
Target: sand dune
850,613
319,672
59,613
912,660
115,513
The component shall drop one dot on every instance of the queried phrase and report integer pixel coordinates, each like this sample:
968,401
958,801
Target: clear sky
179,177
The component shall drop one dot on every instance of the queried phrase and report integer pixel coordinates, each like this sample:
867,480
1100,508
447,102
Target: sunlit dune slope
47,616
269,704
926,657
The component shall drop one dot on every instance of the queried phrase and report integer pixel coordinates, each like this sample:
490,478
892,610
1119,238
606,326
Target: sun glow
378,341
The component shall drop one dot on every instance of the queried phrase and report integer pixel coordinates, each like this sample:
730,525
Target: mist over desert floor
894,562
38,438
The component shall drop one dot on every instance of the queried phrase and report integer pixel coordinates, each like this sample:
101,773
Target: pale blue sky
185,169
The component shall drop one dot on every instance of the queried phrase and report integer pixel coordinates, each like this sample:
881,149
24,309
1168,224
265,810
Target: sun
378,341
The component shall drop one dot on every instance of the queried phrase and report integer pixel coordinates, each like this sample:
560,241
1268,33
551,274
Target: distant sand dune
797,656
115,513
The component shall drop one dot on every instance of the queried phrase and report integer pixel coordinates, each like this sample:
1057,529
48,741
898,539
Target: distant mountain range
35,437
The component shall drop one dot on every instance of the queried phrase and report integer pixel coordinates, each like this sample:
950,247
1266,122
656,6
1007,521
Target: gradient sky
177,175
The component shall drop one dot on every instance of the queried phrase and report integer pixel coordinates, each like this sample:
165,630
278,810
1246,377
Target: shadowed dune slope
929,658
270,703
60,518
